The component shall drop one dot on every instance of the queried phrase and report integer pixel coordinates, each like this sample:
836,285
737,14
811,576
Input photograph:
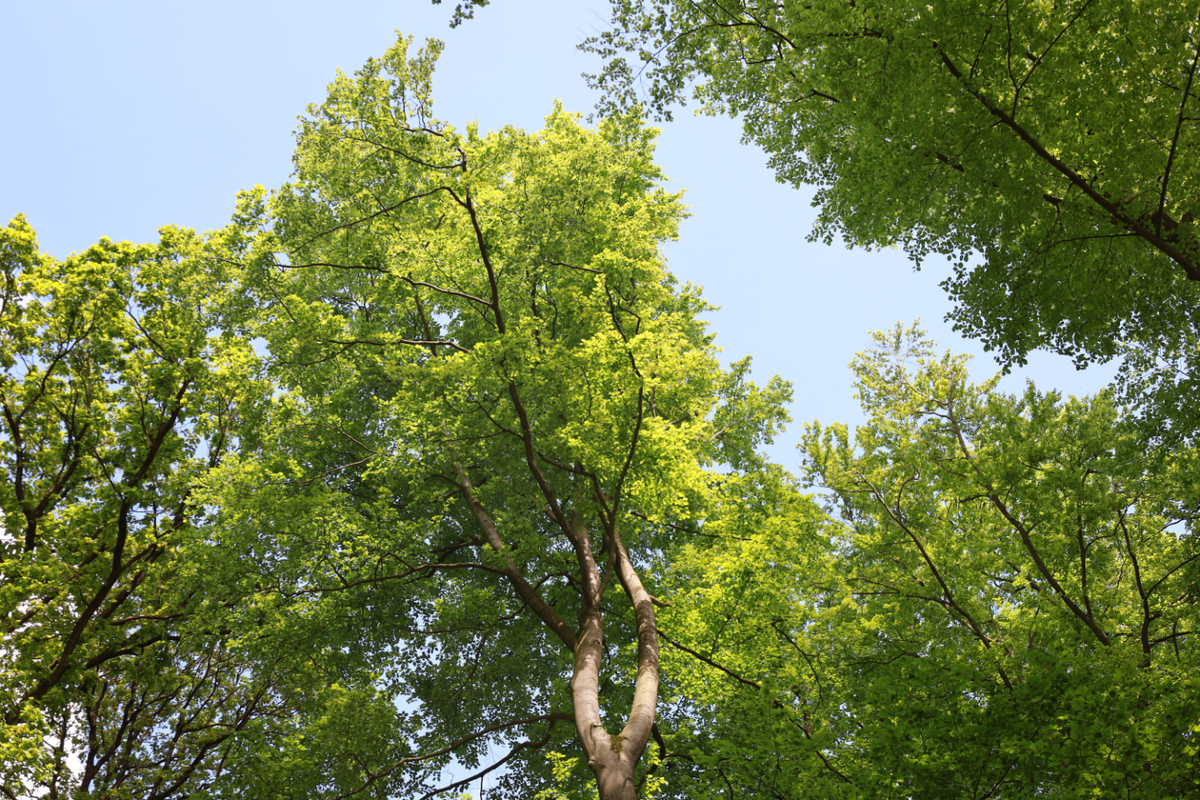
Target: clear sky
127,115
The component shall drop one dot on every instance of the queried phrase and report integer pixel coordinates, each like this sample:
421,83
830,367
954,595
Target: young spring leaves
1007,607
1019,582
494,402
123,380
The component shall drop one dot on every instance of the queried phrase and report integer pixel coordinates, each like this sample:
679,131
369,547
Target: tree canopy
1048,150
123,379
1021,576
427,464
417,515
496,407
1000,604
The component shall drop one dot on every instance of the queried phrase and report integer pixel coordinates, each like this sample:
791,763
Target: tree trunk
613,758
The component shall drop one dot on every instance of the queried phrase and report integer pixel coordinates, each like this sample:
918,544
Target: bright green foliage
565,769
750,690
1019,591
1058,140
1007,609
494,403
116,392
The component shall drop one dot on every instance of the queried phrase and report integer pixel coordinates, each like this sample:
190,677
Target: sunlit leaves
489,386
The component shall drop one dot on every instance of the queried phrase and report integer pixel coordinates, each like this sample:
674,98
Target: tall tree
122,381
496,409
1055,140
1006,609
1023,574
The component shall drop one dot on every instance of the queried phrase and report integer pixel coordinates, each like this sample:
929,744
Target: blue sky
125,116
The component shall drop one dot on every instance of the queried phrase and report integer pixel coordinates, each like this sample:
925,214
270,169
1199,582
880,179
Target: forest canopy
426,470
1048,150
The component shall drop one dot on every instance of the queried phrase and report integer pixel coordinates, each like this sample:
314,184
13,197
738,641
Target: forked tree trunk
613,758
